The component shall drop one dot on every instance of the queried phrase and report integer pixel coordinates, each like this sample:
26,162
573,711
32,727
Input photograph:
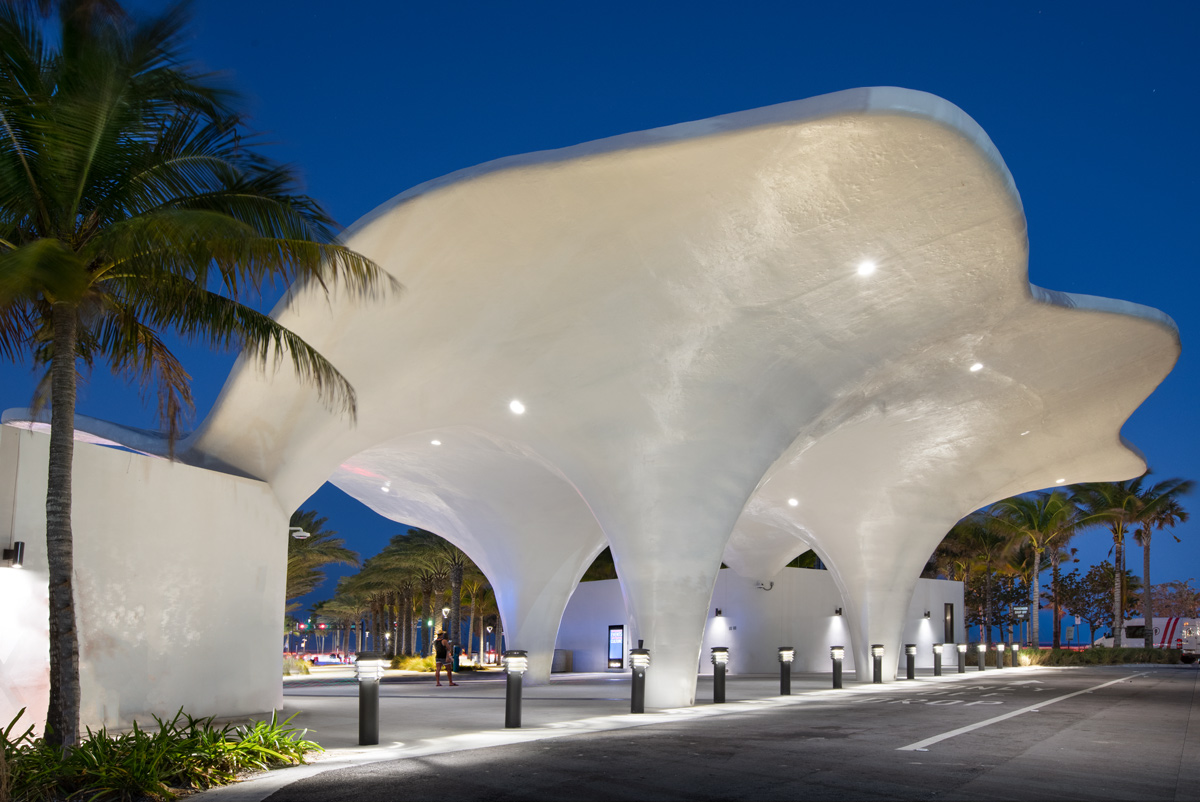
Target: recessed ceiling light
517,407
1059,481
866,267
978,366
435,442
793,502
1024,432
385,489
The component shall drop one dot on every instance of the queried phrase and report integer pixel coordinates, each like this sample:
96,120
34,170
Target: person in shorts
442,659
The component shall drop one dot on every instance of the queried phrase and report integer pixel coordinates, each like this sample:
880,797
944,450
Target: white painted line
921,746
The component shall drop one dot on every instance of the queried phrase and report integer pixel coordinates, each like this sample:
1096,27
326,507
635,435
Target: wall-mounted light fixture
718,612
927,614
298,533
837,610
15,556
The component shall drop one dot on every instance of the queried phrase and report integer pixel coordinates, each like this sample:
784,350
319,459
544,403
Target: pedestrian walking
442,659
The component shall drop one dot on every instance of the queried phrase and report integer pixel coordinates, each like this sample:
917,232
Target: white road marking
921,746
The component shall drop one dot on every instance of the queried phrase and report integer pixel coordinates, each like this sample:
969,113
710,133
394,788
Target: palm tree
981,543
1126,505
455,562
129,205
1044,521
306,556
1160,510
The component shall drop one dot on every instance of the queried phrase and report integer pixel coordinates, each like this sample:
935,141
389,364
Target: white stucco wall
797,611
179,583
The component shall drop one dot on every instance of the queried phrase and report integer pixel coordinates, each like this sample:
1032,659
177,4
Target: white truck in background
1169,633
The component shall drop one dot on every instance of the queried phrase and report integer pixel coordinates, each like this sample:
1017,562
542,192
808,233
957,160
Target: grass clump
294,665
413,663
183,754
1097,656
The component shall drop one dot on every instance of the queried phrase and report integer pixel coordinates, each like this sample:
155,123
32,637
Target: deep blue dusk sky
1092,105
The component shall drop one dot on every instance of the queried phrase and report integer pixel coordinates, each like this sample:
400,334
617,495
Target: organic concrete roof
702,322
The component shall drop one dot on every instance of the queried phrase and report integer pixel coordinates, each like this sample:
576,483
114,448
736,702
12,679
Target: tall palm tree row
1012,537
132,205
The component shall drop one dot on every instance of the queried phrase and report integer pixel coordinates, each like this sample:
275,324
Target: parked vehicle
1169,633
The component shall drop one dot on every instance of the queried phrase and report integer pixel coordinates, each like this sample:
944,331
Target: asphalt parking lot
1096,733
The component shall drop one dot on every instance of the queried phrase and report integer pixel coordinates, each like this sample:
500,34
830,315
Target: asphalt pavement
1022,734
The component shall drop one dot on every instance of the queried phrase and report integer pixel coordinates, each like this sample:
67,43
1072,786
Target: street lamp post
368,667
485,650
515,664
786,655
639,661
720,656
837,654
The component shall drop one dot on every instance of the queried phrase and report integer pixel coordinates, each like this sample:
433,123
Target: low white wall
179,583
798,611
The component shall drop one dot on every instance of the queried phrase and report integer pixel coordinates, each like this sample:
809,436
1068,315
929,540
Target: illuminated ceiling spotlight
978,366
866,267
517,407
1059,481
435,442
387,487
793,502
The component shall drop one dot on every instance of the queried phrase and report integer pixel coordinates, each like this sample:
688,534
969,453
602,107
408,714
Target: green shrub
184,753
1097,656
294,665
413,663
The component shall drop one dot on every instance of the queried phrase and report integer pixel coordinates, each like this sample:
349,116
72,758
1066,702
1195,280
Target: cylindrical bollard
981,651
962,658
720,656
515,664
937,659
877,663
1016,651
1000,650
910,657
368,667
639,661
837,654
786,655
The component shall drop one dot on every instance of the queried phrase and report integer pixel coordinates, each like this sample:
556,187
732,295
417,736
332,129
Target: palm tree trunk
1118,588
987,606
1057,642
1147,597
456,576
62,716
426,600
1035,600
471,626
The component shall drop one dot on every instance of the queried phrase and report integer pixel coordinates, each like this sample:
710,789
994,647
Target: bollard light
962,658
786,655
15,556
937,658
368,668
910,658
837,654
877,663
1016,651
639,661
516,662
981,654
1000,650
720,656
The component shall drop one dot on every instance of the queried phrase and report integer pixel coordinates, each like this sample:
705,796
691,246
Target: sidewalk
419,719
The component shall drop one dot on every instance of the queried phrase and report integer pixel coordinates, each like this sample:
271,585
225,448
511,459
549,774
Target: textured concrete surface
1028,734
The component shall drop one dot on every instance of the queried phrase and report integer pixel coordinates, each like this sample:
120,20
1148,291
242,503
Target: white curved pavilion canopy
822,302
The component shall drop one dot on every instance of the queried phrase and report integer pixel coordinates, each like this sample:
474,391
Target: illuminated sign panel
616,646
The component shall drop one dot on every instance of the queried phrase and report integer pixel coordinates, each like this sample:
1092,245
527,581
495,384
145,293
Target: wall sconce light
298,533
837,610
927,614
718,612
15,556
